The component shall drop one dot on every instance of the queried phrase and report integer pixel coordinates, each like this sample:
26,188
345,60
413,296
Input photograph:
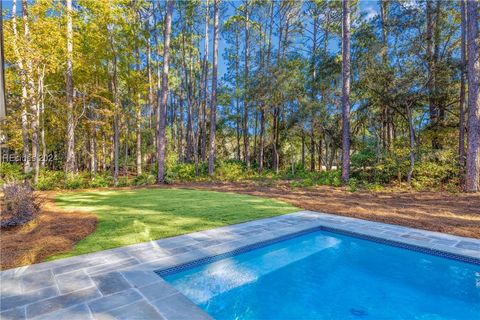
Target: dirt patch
51,232
457,214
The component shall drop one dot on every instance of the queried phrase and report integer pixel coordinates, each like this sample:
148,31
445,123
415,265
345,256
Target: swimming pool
325,275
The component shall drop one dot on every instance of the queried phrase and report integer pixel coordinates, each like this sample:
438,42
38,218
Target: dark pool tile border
435,252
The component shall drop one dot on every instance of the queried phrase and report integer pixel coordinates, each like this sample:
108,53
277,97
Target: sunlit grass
132,216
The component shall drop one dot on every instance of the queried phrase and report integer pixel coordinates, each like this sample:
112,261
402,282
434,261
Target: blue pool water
323,275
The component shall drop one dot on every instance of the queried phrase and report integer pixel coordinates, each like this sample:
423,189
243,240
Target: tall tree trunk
162,110
70,161
346,91
411,131
213,106
24,97
116,129
138,124
267,70
463,76
312,89
41,93
93,151
104,154
180,128
387,116
431,72
205,86
261,141
238,116
472,183
246,139
32,101
150,84
303,150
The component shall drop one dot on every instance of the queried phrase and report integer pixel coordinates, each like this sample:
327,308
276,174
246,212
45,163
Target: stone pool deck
121,283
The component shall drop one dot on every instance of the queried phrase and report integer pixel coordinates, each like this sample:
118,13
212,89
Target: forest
135,92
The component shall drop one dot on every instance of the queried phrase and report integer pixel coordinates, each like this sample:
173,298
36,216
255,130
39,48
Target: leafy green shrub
171,176
330,178
185,171
10,172
229,171
429,174
352,185
76,181
373,187
101,181
50,180
144,179
363,158
123,182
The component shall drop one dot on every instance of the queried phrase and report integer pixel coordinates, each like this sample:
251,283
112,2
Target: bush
144,179
20,204
229,171
76,181
123,182
352,185
50,180
101,181
10,172
429,174
170,176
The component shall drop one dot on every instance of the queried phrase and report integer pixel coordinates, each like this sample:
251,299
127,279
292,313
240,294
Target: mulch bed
51,232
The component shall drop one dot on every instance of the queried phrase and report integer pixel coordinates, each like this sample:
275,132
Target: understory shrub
229,171
429,174
50,180
76,181
144,179
20,204
101,180
10,172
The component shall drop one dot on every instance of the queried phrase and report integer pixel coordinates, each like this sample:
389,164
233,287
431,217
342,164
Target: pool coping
118,282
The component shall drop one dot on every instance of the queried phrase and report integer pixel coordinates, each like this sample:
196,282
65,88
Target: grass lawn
132,216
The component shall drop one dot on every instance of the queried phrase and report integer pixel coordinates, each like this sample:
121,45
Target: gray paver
139,278
468,245
10,286
140,310
37,280
158,290
13,314
10,302
111,282
179,307
114,301
73,281
79,312
104,268
62,302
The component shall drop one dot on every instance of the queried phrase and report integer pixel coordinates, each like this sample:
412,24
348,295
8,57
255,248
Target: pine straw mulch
52,231
457,214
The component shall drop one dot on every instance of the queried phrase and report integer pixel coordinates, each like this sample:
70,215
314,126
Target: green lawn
133,216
